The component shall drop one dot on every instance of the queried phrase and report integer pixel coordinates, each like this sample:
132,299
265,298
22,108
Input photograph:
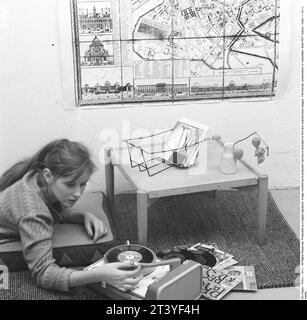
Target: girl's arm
111,273
36,236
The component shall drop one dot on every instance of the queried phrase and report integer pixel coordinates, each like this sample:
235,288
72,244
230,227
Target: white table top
203,176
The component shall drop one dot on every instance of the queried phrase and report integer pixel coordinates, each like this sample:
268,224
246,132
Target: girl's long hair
62,157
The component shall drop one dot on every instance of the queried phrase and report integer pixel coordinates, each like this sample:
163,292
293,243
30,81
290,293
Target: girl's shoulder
23,198
24,192
26,186
29,186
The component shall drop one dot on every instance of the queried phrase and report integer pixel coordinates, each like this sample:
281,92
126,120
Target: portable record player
169,279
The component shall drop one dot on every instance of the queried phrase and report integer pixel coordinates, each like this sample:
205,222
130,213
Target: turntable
169,279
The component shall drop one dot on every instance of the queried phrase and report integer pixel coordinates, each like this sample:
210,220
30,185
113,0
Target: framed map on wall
131,51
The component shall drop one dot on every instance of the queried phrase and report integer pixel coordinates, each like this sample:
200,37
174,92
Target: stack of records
223,259
221,274
225,275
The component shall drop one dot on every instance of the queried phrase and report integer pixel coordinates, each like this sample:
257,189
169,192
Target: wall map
129,51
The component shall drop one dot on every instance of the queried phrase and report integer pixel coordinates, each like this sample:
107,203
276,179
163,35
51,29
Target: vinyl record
205,258
183,254
202,257
130,252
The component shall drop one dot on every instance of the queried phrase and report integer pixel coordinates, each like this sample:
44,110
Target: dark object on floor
202,257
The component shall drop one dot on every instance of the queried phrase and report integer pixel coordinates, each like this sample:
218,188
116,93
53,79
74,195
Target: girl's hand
115,275
94,227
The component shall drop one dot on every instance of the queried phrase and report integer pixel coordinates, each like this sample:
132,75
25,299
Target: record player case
182,282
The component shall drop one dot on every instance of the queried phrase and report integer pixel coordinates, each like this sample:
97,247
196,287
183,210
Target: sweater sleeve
36,237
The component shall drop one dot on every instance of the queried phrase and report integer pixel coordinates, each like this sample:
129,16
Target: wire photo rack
175,147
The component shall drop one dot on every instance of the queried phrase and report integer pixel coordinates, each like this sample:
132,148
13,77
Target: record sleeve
247,276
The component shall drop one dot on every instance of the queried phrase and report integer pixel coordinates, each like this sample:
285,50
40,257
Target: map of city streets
129,51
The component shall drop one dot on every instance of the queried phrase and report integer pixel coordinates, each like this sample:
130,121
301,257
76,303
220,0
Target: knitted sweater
27,214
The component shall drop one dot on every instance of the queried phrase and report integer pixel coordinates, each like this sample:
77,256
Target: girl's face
68,191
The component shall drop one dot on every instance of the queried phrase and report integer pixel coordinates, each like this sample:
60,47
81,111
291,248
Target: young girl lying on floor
37,193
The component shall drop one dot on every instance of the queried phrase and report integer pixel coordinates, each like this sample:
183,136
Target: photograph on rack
151,150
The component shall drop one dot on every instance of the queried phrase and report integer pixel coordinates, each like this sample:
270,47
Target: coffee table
202,177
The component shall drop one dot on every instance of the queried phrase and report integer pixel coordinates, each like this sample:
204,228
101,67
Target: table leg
142,205
262,207
109,177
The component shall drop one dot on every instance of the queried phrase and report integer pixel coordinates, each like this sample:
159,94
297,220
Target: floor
288,201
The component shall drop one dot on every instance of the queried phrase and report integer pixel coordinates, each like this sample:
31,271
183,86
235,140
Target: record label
131,256
131,252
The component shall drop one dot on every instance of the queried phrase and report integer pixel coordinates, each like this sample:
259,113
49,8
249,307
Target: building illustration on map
169,50
97,54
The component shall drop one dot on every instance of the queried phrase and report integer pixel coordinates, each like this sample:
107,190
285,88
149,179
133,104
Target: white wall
36,105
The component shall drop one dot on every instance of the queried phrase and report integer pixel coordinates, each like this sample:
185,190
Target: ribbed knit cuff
56,278
64,279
